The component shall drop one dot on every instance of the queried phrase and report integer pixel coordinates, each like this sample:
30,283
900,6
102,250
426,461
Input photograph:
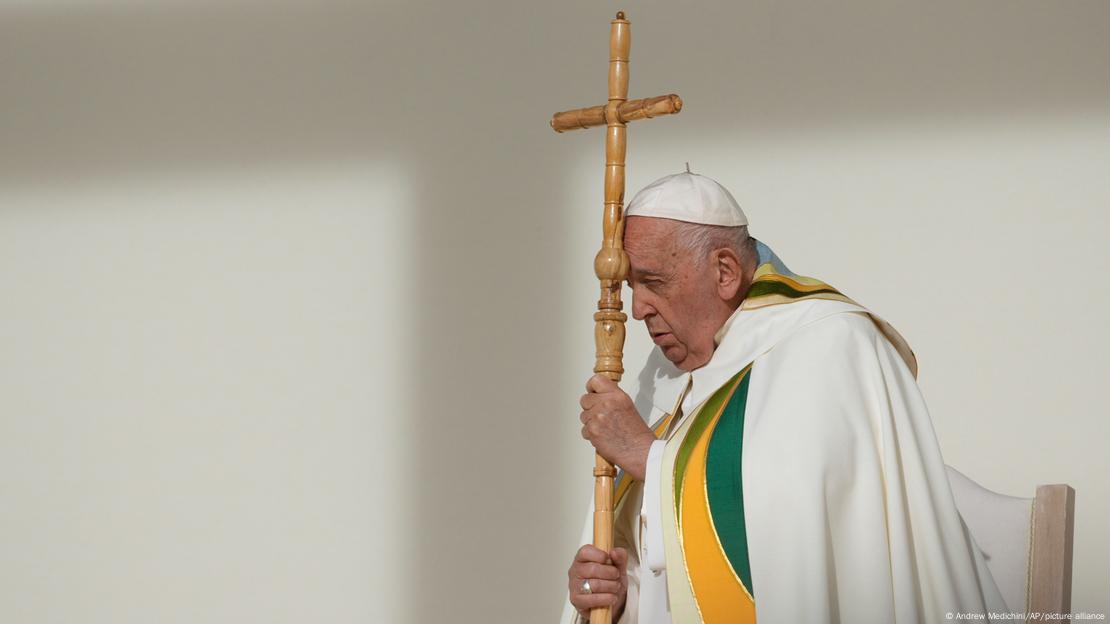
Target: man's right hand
607,576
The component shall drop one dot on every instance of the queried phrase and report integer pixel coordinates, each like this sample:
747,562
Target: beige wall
297,295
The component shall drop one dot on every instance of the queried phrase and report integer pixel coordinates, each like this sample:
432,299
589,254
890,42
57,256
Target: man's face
675,297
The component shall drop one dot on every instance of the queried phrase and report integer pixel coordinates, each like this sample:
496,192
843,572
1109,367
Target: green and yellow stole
714,582
708,572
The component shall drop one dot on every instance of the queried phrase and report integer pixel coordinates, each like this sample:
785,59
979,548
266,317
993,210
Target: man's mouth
657,336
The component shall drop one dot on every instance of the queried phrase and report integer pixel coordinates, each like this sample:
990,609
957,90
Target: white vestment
848,511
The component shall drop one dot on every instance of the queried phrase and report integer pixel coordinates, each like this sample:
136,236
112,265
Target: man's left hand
611,423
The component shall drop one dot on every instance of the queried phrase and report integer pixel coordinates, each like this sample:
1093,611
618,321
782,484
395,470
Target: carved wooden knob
611,264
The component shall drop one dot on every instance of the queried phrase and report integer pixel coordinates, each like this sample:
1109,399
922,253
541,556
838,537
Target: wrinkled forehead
650,242
643,233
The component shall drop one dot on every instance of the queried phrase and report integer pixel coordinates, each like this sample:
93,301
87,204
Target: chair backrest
1026,542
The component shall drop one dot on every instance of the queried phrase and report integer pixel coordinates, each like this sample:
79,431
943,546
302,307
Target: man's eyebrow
647,273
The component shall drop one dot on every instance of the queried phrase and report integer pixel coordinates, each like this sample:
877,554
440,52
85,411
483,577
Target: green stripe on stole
768,286
718,428
724,486
697,429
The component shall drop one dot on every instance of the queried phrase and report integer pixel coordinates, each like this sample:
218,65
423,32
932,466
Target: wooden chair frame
1050,552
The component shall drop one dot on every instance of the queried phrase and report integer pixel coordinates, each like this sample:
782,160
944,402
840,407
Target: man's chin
675,354
681,359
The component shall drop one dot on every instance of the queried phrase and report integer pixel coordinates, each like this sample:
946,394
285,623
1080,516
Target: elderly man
791,473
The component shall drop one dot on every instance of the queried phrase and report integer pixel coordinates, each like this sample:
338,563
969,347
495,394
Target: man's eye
650,282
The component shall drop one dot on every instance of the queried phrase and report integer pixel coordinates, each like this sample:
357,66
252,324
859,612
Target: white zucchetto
687,197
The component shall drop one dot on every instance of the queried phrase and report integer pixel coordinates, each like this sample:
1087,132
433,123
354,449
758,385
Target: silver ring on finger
584,588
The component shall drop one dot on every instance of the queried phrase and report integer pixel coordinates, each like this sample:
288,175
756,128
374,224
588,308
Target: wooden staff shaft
631,110
611,268
611,263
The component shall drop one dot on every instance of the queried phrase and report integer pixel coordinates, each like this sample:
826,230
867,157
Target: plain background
297,296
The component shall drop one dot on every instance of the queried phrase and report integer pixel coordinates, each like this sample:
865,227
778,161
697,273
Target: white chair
1027,542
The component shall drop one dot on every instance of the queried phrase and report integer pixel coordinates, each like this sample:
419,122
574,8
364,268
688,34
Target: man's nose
640,307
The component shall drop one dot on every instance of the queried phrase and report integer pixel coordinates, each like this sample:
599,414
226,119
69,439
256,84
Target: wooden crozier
611,263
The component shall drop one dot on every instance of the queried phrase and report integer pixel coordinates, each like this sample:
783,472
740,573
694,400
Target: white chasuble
802,480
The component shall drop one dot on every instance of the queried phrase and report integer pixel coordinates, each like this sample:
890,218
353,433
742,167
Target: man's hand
607,576
611,423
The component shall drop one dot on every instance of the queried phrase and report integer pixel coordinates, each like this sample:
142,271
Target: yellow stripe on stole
720,595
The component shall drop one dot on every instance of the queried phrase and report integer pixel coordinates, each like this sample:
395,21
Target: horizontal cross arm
628,111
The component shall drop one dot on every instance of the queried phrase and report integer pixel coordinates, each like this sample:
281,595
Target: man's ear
729,273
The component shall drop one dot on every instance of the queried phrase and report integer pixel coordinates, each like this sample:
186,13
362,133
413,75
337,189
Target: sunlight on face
675,297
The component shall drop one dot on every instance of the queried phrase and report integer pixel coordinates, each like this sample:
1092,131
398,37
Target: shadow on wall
97,89
124,92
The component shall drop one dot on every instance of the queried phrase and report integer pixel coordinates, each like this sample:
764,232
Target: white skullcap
687,197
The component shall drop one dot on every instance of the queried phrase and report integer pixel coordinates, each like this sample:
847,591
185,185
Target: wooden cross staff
611,263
